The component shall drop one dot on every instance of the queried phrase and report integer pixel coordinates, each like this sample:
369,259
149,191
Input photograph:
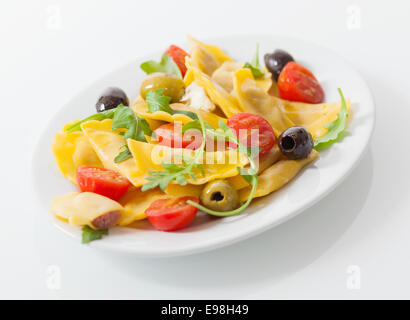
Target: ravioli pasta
72,150
276,176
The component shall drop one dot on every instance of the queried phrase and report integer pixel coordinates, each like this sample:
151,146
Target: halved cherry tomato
178,55
171,214
243,123
103,181
297,83
170,135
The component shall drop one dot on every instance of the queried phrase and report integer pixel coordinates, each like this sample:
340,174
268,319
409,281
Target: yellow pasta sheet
238,182
141,109
205,57
107,144
72,150
218,95
135,202
225,74
277,176
216,165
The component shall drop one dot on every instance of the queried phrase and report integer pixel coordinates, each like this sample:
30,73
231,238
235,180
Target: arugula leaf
196,125
108,114
336,129
172,172
89,234
123,155
254,65
247,174
136,127
227,131
167,65
125,118
190,114
158,102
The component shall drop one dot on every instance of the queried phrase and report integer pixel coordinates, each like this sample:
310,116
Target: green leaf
123,155
90,234
256,72
109,114
136,127
227,131
254,66
166,65
150,185
247,174
158,102
181,180
125,118
142,130
190,114
336,129
255,60
172,167
196,125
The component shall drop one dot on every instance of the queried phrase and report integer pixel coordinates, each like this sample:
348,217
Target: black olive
295,143
276,61
111,98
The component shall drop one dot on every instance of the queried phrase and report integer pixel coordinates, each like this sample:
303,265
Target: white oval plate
207,232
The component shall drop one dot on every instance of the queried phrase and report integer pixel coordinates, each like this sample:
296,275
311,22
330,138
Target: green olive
219,195
172,85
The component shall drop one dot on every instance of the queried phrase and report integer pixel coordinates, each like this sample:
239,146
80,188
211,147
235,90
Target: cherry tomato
243,123
297,83
171,214
170,135
103,181
178,55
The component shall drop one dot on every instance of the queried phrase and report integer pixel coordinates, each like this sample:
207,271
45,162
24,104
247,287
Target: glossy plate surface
207,233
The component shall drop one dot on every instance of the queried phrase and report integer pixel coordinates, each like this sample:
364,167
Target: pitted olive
219,195
295,143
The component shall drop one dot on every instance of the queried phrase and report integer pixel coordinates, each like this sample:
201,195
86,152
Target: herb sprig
254,65
336,129
156,101
90,234
166,65
108,114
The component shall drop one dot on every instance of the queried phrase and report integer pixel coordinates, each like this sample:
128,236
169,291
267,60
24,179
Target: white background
50,50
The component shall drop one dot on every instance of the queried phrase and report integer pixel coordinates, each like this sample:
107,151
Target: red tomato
297,83
178,55
171,214
243,123
102,181
170,135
